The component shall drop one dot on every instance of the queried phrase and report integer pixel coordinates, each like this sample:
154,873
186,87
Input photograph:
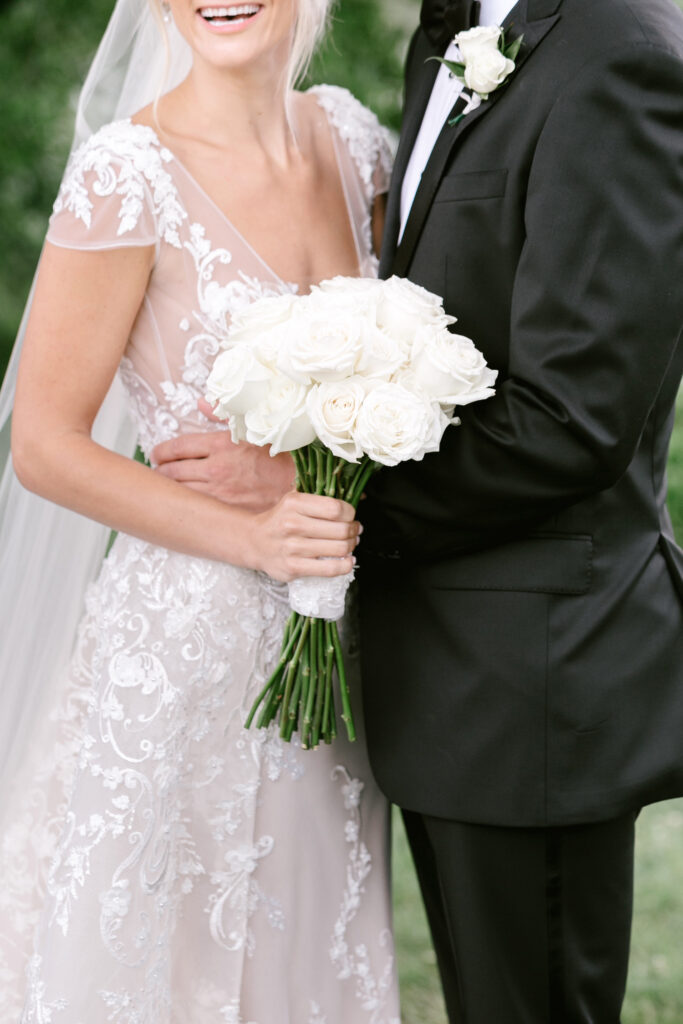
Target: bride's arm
83,312
379,210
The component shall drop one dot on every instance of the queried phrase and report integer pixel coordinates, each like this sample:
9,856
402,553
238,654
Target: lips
229,14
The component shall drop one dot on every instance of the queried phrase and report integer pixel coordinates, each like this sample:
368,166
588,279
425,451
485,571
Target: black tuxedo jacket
521,590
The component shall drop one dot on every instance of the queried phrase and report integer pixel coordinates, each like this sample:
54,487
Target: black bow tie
443,19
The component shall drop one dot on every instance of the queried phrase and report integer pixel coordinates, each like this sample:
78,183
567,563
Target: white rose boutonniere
487,61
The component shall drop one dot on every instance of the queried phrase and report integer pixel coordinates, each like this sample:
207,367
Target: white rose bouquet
357,375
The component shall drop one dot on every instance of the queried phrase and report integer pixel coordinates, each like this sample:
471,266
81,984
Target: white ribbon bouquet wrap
357,375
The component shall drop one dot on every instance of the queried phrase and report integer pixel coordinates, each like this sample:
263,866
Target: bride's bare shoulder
146,117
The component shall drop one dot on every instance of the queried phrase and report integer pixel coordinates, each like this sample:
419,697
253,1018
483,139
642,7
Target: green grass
675,470
655,991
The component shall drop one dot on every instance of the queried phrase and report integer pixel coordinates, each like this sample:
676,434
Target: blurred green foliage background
45,50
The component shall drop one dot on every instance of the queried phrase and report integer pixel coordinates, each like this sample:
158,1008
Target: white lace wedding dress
161,865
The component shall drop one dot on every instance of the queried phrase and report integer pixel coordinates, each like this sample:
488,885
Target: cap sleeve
117,192
370,144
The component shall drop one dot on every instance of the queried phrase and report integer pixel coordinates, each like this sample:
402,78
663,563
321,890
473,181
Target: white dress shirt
444,94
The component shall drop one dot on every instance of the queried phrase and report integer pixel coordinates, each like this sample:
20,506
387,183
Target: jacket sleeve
596,320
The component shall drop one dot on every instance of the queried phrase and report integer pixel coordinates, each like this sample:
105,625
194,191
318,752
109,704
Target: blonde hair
312,20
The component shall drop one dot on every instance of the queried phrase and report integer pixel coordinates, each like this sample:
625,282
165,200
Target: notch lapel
416,104
533,20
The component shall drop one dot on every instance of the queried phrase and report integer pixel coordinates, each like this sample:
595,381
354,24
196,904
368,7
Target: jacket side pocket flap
541,563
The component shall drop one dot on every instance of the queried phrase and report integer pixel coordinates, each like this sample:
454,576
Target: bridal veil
49,555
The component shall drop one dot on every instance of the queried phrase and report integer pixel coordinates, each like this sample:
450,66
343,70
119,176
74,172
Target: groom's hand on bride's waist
237,474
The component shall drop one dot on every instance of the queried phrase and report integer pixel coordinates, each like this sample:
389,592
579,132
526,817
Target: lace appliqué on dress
127,161
373,992
368,142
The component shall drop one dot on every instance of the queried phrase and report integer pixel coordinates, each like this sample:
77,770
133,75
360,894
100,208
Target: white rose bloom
395,424
280,418
238,429
481,39
369,287
405,307
333,410
269,344
237,382
450,368
320,346
340,303
487,72
261,316
381,356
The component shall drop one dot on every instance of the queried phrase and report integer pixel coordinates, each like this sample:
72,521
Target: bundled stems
300,692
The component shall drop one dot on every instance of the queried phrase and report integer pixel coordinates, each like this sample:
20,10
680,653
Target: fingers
316,506
304,547
321,529
207,410
312,517
185,471
191,446
327,567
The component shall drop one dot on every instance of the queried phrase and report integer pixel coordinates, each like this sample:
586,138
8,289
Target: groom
521,590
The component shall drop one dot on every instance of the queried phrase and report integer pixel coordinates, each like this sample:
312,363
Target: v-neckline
221,213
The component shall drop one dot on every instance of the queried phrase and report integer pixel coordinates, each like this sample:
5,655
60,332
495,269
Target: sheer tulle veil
49,555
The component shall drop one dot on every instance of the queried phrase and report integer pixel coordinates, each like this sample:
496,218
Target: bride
159,863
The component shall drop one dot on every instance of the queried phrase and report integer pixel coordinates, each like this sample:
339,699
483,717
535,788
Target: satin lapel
534,23
416,104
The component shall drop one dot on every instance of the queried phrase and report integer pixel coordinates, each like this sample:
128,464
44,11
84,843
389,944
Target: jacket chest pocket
472,185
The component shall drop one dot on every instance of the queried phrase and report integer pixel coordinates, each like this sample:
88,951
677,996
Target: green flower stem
292,671
319,470
291,632
311,457
312,687
303,675
347,713
301,466
275,699
327,707
318,714
290,716
329,669
363,477
329,469
322,676
335,490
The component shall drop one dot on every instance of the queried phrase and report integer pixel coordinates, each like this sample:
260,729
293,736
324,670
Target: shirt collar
494,12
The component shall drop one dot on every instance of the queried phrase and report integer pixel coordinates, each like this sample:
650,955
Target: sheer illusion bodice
124,188
160,865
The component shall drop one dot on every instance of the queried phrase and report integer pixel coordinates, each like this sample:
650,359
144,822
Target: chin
236,35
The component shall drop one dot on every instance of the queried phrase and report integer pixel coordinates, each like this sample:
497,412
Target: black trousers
530,926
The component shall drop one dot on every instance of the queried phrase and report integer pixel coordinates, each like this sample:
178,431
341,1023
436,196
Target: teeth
241,10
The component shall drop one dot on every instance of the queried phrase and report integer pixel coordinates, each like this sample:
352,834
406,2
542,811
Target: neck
230,109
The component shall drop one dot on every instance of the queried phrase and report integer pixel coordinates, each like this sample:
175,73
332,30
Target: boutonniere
487,61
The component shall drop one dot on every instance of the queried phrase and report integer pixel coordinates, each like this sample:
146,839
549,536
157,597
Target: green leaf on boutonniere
455,68
512,51
455,120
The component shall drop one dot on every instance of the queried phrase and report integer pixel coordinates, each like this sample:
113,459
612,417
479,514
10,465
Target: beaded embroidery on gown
161,865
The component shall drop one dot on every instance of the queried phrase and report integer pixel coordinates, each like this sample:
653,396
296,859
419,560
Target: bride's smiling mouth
227,17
